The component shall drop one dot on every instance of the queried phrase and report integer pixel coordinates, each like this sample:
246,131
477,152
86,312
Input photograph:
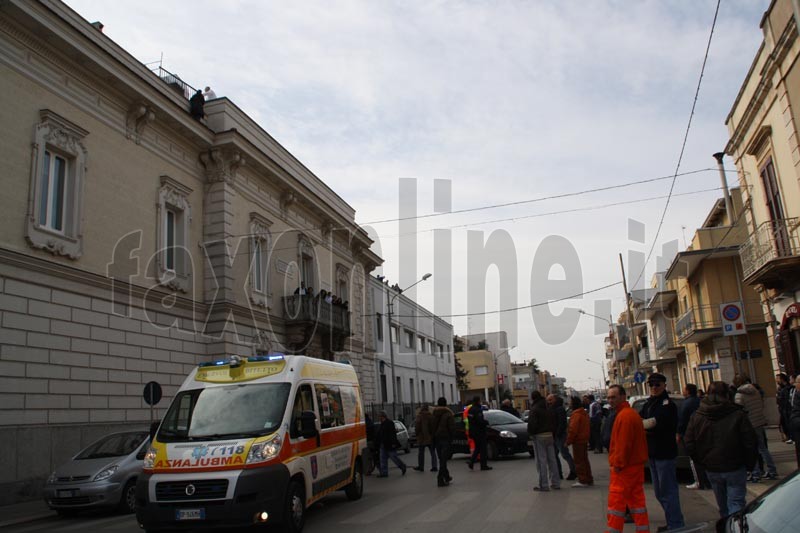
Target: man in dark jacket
690,404
424,428
556,405
506,406
541,424
660,416
782,396
387,440
444,427
477,430
720,437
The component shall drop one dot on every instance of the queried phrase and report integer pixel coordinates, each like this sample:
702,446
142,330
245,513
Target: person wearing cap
660,415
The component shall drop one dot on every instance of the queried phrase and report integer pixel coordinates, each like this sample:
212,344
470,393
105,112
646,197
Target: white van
254,441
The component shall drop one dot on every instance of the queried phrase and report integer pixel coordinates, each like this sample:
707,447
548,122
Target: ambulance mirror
308,424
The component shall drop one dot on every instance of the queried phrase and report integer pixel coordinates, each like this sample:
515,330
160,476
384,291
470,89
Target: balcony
667,346
704,322
771,253
314,325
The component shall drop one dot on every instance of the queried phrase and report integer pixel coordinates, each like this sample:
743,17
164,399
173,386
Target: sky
505,101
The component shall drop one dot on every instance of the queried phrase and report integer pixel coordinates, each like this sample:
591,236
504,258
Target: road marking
443,510
381,511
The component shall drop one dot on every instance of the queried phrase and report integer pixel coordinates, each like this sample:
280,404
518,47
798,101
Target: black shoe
470,464
449,479
434,469
486,468
404,469
442,484
382,475
419,469
572,476
662,528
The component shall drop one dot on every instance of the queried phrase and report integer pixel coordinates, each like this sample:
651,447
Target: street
494,501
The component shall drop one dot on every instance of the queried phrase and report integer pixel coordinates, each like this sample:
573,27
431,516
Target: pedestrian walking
556,405
372,446
477,430
444,428
387,440
782,397
596,422
720,437
626,458
660,416
578,437
424,426
690,404
541,424
749,397
794,417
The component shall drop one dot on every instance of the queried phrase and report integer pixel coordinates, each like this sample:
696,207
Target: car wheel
356,487
127,502
295,513
491,451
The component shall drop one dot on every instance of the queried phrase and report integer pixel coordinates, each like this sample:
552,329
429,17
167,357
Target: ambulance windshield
235,411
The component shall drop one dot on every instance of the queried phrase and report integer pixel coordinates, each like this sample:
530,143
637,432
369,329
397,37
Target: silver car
402,436
102,475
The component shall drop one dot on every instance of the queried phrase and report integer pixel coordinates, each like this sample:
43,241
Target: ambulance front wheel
355,489
295,515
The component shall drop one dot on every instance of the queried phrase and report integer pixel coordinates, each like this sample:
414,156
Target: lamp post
496,382
391,344
602,368
610,327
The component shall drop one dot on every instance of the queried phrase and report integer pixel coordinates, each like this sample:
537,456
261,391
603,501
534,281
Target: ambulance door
303,449
334,459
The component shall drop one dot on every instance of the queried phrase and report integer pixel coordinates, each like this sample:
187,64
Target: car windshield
116,445
500,418
235,411
775,512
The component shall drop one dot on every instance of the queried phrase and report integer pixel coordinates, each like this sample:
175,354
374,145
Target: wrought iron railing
709,317
771,240
175,82
309,309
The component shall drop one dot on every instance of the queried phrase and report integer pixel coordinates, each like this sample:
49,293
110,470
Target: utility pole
629,314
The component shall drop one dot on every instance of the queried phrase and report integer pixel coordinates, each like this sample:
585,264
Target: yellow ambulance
254,440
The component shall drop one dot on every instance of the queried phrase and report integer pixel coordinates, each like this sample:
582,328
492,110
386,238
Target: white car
402,436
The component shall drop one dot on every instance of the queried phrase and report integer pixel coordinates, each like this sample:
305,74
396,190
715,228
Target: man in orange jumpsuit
626,457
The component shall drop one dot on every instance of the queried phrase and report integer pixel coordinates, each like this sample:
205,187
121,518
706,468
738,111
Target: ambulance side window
303,401
329,400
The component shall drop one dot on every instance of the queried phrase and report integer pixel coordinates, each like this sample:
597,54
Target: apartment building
417,342
764,127
137,241
481,375
661,310
497,343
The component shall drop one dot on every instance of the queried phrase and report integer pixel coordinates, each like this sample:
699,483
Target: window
422,390
384,389
482,370
331,411
448,353
306,260
433,391
431,348
411,388
393,333
342,282
303,401
442,384
421,344
398,390
259,288
440,349
55,205
452,398
379,326
174,215
409,339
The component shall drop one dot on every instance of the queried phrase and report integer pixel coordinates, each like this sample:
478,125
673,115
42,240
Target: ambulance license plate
190,514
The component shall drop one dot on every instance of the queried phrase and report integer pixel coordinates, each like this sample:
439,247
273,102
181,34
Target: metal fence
177,84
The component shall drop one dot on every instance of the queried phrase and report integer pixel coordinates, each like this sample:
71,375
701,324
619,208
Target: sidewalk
21,513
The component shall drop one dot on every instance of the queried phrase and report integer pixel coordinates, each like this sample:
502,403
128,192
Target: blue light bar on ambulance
272,357
213,363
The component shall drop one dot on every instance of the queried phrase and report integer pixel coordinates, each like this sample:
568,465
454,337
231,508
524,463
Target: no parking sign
732,319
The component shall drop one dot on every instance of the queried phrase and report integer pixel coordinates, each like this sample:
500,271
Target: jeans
730,490
563,450
421,456
761,435
443,449
665,485
390,454
595,435
545,452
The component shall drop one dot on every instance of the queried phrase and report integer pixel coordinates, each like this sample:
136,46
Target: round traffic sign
638,377
731,312
152,393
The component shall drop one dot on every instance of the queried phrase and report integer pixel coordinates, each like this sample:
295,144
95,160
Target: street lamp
496,382
602,368
610,328
391,344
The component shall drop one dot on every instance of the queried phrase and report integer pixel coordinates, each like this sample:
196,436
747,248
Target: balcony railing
177,84
708,318
771,240
310,310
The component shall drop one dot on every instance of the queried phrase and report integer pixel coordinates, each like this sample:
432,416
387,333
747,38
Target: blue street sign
708,366
639,377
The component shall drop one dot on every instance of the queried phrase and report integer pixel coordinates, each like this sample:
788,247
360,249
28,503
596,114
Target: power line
541,199
512,308
683,147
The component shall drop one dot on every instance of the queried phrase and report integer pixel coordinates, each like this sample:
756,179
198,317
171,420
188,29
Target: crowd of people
723,430
321,296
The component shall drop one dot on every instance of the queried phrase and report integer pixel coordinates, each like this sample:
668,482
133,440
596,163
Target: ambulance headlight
150,458
264,451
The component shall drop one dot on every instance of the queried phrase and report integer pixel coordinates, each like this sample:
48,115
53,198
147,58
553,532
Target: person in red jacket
626,457
578,437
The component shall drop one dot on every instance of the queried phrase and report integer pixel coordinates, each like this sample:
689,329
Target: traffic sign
708,366
152,393
732,319
639,377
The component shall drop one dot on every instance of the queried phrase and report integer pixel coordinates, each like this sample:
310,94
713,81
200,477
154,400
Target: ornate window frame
342,278
62,138
174,197
261,243
305,248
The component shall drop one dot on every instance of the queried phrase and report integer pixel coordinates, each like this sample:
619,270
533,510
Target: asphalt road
494,501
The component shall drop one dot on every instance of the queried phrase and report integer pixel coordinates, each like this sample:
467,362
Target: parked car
525,414
402,436
682,462
774,511
506,435
101,475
